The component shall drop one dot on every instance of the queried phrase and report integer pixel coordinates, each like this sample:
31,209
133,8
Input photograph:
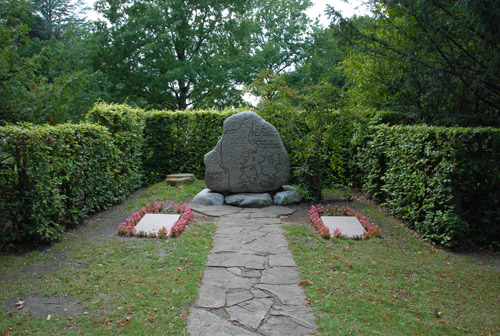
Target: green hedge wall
51,177
126,125
175,142
445,182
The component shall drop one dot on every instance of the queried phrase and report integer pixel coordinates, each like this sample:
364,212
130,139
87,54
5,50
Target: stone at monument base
287,196
250,200
348,225
150,224
208,197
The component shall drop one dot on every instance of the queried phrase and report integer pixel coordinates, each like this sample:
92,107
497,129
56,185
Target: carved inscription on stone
250,157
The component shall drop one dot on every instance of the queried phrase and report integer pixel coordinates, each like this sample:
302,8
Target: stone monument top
249,157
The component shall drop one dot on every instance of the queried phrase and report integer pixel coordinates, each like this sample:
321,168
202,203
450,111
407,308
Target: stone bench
177,179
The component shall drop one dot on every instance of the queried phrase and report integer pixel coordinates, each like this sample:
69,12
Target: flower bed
371,229
127,228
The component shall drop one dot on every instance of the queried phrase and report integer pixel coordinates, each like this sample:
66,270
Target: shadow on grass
95,282
396,285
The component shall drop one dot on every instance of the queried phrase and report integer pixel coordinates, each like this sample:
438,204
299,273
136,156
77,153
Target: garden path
251,284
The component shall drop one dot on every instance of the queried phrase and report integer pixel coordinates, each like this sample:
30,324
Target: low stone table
348,225
176,179
152,223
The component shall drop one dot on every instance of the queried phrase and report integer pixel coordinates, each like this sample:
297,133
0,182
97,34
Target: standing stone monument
249,157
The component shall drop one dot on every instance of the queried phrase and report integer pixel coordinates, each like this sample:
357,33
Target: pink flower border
371,229
127,228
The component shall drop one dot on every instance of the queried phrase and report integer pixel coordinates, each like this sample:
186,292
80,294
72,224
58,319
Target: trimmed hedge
51,177
126,125
445,182
175,142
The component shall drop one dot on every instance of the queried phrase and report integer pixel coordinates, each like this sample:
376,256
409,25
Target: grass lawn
397,285
109,285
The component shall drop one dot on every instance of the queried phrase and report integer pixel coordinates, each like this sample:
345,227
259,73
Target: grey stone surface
283,325
250,313
301,315
216,210
280,276
249,157
286,294
288,196
150,224
268,212
277,260
237,297
211,296
236,260
250,200
348,225
206,323
208,197
250,286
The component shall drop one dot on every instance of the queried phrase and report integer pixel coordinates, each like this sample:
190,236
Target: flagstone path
250,285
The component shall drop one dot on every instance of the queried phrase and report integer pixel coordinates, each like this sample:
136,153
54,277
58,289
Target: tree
177,54
437,59
314,130
52,17
48,80
16,75
321,61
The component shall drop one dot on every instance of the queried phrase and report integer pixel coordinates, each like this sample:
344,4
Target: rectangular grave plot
348,225
150,224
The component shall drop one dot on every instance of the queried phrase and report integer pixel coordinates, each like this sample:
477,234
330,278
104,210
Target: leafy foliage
314,131
436,61
176,142
52,17
46,73
321,61
126,125
179,54
443,181
52,177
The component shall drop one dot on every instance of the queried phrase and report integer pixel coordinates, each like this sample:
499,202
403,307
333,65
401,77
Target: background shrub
317,143
126,125
445,182
51,177
176,142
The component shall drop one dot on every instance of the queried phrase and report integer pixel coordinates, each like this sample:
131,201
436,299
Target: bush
126,124
176,142
51,177
316,135
444,181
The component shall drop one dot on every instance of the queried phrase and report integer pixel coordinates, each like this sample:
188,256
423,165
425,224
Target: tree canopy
178,54
428,61
46,73
438,61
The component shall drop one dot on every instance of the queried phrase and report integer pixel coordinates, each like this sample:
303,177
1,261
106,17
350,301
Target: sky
316,11
347,9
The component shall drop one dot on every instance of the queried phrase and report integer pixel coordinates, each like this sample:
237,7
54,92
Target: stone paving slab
250,285
214,210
